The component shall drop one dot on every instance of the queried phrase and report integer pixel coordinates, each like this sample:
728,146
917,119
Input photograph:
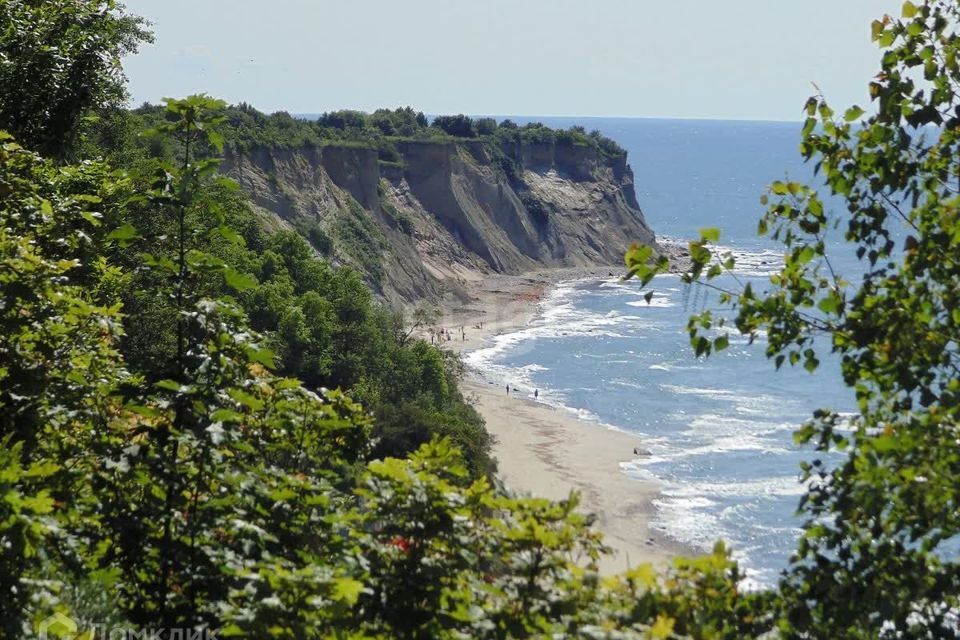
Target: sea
716,433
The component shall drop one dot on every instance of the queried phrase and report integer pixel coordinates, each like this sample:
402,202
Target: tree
485,126
875,558
60,61
459,126
58,360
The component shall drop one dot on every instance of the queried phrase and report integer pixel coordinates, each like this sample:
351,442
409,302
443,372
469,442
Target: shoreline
541,450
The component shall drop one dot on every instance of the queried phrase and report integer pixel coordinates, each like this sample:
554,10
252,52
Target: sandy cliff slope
450,212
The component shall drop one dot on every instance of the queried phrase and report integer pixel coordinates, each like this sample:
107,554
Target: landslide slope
445,212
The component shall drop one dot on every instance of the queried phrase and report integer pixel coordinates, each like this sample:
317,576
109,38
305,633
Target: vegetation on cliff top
246,128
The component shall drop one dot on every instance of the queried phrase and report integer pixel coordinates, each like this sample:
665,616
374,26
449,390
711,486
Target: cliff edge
446,212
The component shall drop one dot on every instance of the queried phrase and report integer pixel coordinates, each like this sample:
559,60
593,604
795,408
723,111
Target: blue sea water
719,431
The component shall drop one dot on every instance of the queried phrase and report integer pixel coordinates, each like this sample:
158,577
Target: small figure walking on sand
508,389
536,393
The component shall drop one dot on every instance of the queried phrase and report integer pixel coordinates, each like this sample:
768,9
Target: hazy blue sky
752,59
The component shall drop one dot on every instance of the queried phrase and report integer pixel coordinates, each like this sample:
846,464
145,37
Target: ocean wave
714,448
656,302
714,425
756,488
558,317
748,262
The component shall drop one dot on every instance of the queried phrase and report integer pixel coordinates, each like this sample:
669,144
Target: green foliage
227,498
485,126
459,126
399,219
874,559
57,357
245,129
360,239
60,61
23,505
162,467
318,238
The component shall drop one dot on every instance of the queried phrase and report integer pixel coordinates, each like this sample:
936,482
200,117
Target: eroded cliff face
450,212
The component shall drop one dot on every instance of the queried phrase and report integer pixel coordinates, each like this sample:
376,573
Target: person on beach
508,389
536,393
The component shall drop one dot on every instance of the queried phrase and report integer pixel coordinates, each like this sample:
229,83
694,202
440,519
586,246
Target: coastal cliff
445,212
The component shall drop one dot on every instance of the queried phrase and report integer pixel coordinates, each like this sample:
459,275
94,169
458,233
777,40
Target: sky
717,59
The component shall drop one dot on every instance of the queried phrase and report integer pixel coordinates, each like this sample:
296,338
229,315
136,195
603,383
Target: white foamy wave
690,514
716,425
759,487
756,404
748,262
686,521
558,317
696,391
763,262
717,446
656,302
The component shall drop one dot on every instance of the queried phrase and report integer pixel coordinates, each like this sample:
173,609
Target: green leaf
710,234
662,627
238,281
216,139
830,303
245,399
124,235
347,590
229,234
885,443
638,254
853,113
42,469
263,356
169,385
909,9
145,411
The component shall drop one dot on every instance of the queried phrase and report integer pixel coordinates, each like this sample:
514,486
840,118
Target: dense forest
208,429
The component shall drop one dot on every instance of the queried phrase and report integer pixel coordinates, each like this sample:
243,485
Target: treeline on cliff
172,462
246,128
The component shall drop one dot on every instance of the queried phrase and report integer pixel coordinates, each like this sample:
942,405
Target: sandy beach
544,451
